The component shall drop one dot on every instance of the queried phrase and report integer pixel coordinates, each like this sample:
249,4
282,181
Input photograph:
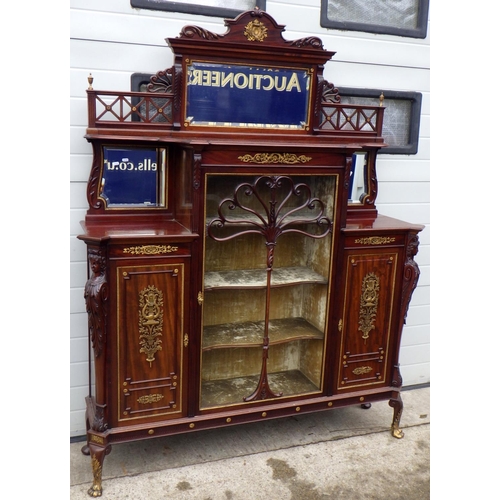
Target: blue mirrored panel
133,177
230,95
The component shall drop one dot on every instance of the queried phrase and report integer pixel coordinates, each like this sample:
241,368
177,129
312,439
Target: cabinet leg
97,454
397,404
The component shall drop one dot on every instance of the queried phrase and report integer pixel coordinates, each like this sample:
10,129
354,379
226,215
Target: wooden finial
381,99
90,80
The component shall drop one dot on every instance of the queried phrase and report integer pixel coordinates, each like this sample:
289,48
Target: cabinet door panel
268,252
150,341
367,318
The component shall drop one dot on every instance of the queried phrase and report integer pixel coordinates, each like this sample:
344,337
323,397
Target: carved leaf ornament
369,302
150,321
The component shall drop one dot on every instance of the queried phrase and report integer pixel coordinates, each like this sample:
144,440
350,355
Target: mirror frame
366,207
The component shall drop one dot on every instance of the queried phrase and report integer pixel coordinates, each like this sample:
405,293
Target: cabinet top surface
380,223
168,229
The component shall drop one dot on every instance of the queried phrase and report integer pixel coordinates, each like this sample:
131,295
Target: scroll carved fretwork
150,321
196,31
96,296
161,82
369,303
271,219
310,41
329,93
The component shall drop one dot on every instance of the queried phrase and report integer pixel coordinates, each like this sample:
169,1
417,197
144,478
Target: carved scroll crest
310,41
196,31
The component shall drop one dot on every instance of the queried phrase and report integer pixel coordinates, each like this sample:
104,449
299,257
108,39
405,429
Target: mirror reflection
133,177
357,184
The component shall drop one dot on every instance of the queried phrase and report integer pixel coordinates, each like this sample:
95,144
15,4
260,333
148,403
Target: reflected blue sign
130,176
239,96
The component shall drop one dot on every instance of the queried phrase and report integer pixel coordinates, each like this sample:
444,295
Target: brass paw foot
397,432
95,491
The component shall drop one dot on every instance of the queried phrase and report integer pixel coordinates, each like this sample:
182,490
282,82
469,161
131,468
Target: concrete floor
341,454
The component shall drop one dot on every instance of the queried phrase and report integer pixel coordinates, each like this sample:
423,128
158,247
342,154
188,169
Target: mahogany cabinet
238,267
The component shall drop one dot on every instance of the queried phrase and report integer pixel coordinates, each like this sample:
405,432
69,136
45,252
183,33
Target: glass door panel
268,251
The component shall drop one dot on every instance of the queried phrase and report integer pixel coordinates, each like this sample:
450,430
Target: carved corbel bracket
96,296
411,274
95,415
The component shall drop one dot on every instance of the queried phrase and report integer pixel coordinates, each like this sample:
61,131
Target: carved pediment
258,32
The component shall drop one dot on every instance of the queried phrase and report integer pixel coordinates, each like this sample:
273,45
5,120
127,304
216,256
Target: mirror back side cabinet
238,269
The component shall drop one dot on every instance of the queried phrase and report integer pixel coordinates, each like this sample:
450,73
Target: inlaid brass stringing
150,249
286,158
150,321
369,302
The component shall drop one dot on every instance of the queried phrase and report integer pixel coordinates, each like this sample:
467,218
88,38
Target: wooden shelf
250,334
232,391
257,278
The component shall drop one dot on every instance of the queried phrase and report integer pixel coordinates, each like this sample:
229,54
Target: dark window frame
138,79
419,32
204,10
415,98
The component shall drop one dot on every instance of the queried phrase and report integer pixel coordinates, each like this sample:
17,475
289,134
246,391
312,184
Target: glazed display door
267,280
